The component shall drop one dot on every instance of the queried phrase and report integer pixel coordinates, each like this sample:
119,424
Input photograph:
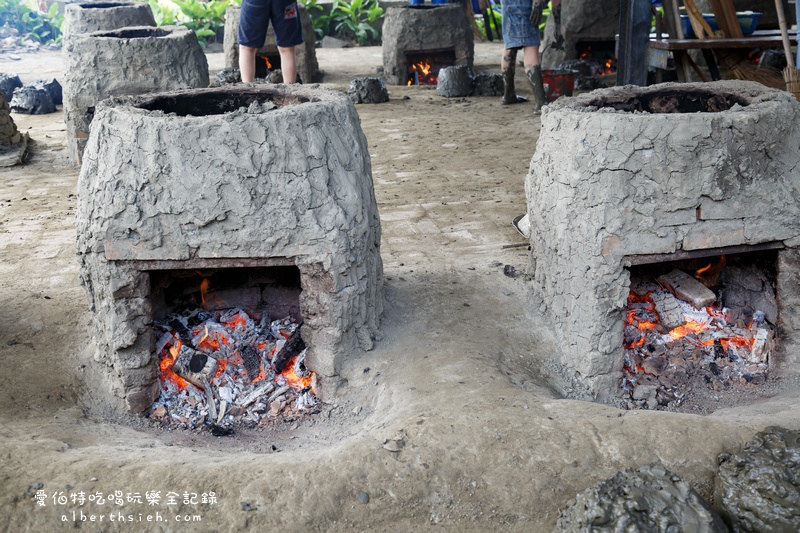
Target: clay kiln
267,57
266,189
653,175
419,40
132,60
88,17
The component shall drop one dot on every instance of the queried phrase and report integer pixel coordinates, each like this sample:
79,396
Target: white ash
222,335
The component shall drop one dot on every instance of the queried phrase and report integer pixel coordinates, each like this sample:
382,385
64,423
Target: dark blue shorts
254,20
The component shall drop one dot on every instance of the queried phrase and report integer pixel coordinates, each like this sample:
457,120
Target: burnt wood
251,362
293,346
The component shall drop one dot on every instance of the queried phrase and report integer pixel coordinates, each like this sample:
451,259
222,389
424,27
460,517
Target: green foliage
206,19
320,21
354,19
41,27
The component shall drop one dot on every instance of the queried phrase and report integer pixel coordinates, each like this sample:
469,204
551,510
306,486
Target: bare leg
530,55
247,63
288,65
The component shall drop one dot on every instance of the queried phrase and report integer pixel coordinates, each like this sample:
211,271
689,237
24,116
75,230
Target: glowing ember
223,346
659,362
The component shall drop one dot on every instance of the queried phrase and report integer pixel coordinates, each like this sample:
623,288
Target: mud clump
758,488
650,498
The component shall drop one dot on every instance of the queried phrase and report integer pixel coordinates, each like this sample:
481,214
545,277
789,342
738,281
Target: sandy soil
448,423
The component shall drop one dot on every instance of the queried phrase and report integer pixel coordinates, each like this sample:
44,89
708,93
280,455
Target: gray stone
333,42
612,195
436,28
142,200
362,497
9,82
758,487
88,17
368,91
228,76
650,498
454,81
52,87
487,84
129,61
305,54
32,100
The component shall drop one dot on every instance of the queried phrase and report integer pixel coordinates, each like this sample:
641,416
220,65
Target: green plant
41,27
498,17
206,19
320,21
356,19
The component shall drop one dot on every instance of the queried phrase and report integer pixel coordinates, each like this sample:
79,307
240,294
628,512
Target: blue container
439,2
748,22
416,2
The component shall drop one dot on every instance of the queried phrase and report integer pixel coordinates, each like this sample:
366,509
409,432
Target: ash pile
681,337
231,368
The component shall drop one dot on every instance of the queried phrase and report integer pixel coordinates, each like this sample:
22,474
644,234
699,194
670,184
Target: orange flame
423,71
266,62
203,291
295,381
709,274
689,327
166,363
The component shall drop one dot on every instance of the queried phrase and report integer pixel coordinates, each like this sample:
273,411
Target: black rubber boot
539,99
509,92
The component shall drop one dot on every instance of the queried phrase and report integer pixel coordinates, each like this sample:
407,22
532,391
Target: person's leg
253,20
247,63
533,71
288,64
288,34
509,70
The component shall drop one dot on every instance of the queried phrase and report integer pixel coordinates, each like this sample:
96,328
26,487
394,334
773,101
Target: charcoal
585,71
220,431
650,498
293,346
366,90
9,82
251,361
228,76
32,100
758,487
454,81
488,84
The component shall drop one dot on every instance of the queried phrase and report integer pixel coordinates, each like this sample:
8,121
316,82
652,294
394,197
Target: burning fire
420,74
607,66
294,380
267,63
709,274
167,374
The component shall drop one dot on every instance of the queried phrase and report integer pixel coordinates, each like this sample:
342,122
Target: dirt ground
449,423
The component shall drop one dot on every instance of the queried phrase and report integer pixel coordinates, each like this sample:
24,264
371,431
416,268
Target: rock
362,497
159,412
228,76
644,392
9,82
368,91
758,488
33,487
333,42
52,87
32,100
454,81
86,17
248,506
585,72
649,498
487,84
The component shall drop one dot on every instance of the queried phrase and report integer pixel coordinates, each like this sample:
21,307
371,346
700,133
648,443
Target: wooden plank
673,22
687,288
770,41
680,255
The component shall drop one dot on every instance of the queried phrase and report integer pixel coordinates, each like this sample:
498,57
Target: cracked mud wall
88,17
604,185
104,64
